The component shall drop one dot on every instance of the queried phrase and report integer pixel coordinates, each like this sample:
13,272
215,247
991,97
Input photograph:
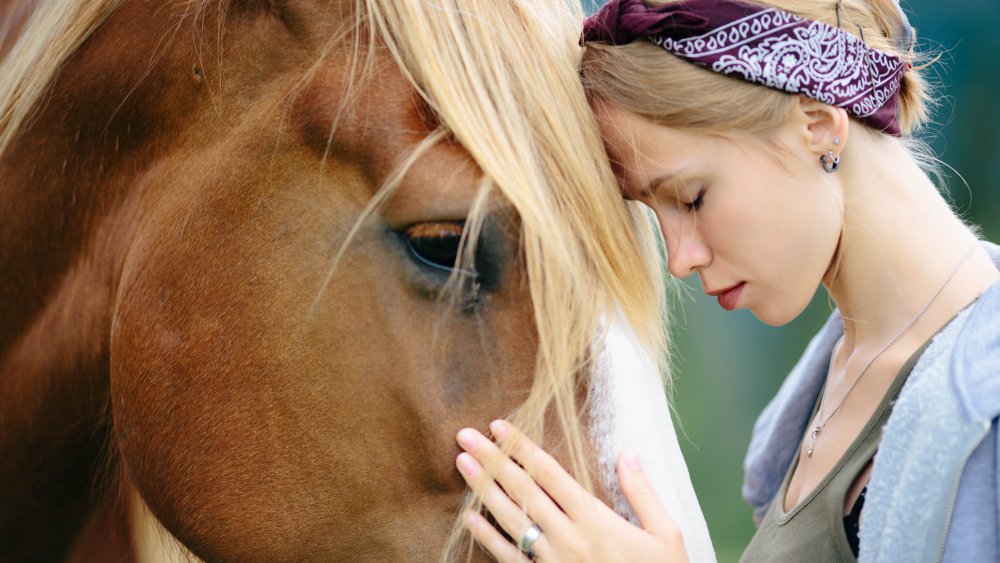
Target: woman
771,140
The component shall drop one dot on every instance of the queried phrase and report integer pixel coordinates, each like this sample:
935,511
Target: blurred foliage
729,365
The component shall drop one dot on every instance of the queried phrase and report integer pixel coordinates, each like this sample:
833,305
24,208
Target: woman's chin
774,317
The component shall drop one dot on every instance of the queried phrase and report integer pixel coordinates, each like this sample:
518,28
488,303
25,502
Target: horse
263,258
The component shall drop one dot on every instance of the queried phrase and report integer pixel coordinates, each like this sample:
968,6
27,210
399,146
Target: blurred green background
729,365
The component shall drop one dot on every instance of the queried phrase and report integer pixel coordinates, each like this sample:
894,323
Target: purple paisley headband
766,46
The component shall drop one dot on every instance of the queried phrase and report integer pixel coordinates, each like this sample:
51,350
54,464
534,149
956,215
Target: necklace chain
819,427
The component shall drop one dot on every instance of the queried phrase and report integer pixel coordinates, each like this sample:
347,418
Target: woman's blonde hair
637,75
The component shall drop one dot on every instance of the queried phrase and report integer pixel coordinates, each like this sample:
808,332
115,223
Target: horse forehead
374,115
377,120
372,120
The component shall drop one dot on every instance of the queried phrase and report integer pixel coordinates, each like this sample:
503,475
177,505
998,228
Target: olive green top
814,529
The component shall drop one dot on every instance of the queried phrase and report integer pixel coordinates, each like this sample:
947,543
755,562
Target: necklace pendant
812,440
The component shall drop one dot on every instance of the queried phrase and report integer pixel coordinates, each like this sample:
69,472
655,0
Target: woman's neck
900,243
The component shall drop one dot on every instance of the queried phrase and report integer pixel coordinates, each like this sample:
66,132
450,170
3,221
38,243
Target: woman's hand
575,525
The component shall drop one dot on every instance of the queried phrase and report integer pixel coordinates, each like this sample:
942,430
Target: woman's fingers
593,533
506,511
508,514
642,497
492,540
545,470
514,480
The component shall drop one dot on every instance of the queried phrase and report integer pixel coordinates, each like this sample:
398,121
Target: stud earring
829,161
836,141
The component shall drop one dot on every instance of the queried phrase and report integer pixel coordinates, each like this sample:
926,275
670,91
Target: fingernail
468,465
499,429
466,438
631,459
471,518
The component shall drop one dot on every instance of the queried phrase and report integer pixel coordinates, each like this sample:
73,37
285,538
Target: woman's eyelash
698,201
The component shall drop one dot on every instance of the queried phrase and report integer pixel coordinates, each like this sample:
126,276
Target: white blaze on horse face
629,410
151,542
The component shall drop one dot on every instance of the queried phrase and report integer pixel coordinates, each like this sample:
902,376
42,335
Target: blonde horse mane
502,78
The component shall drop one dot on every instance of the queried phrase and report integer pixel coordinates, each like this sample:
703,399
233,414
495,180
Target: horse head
265,257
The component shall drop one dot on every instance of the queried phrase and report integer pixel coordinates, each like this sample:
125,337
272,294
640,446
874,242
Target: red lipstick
728,297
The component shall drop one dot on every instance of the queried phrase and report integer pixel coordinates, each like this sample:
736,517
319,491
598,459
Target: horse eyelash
431,264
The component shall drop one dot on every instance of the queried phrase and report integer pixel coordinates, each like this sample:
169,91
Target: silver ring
528,539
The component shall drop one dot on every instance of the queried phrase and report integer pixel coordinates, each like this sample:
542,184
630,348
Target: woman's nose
687,253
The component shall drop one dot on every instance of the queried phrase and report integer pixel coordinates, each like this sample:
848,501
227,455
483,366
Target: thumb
642,496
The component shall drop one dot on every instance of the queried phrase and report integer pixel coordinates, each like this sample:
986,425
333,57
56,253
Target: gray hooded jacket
934,493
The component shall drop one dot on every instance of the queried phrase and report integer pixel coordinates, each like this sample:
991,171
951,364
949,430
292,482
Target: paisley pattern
790,53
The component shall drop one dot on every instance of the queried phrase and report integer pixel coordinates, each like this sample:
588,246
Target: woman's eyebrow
653,185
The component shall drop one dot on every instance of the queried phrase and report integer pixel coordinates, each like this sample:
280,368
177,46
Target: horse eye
435,244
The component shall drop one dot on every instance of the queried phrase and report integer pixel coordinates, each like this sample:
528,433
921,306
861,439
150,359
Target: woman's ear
824,128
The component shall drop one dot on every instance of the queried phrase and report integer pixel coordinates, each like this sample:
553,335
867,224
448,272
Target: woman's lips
728,298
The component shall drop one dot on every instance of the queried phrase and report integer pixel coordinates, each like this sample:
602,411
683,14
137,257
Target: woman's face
760,228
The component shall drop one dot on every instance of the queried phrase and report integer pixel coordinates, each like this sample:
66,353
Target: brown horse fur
166,226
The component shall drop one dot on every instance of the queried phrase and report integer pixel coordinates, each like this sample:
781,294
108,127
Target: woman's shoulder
963,358
941,420
975,359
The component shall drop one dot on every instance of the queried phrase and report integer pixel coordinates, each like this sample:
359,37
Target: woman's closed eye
697,202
